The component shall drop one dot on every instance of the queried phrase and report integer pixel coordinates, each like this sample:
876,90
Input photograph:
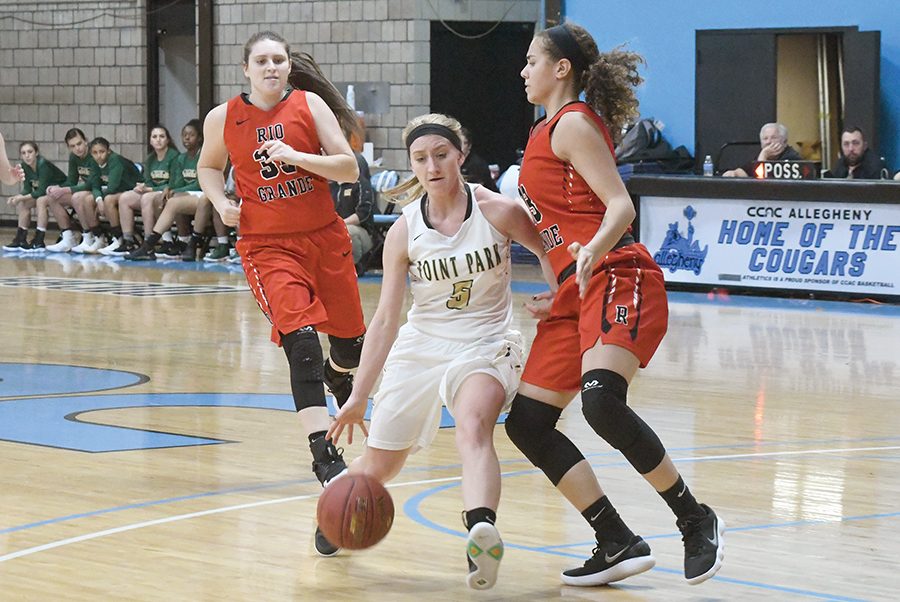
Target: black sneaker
704,545
612,562
171,248
126,247
323,546
340,384
328,464
328,461
189,253
142,253
37,243
19,243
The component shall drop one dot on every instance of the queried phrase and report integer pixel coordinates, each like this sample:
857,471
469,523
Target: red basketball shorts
625,305
305,279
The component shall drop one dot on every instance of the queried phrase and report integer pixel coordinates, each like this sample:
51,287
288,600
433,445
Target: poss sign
786,170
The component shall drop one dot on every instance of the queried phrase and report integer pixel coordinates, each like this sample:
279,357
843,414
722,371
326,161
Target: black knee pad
531,426
345,352
604,405
304,354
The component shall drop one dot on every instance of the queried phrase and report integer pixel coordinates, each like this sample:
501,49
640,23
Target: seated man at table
857,160
774,147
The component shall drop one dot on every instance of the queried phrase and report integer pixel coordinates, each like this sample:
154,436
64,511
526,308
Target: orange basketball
355,512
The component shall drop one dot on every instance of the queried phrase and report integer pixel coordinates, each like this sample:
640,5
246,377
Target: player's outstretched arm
381,332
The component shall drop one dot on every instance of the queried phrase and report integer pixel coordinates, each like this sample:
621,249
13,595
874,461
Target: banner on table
838,247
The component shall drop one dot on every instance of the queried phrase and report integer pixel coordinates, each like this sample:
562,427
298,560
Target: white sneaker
111,247
87,239
94,247
484,550
66,244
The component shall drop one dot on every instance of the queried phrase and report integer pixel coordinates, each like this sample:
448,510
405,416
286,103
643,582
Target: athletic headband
563,39
427,129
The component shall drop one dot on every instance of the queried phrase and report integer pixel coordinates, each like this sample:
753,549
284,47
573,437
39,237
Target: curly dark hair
608,80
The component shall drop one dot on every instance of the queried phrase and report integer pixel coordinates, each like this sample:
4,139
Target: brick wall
64,64
358,41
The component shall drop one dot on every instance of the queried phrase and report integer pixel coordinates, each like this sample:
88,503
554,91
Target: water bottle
707,166
351,96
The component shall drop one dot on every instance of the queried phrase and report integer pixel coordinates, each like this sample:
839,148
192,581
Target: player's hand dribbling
585,258
351,414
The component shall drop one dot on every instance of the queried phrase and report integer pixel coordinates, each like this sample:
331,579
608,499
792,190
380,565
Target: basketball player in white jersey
457,347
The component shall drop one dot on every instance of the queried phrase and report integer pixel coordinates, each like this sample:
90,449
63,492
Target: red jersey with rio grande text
277,198
562,205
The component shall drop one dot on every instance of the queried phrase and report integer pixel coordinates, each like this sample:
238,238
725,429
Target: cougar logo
622,314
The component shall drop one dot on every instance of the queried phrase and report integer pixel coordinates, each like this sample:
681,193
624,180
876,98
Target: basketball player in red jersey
611,299
285,143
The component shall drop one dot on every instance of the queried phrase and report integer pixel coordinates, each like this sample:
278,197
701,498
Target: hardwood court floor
148,452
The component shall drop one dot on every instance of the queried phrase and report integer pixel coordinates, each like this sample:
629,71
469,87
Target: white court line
788,453
171,519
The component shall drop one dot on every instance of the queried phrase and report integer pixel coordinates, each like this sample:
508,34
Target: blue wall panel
664,33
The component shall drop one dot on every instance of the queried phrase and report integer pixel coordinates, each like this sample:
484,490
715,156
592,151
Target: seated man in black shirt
773,140
475,169
355,203
857,160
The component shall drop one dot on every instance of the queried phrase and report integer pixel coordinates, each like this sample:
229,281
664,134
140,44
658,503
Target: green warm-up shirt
37,180
158,172
118,175
82,173
184,173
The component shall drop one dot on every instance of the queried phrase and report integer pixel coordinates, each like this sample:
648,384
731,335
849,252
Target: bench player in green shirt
39,174
116,174
147,196
183,199
75,192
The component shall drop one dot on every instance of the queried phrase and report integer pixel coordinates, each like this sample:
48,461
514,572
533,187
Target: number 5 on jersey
462,292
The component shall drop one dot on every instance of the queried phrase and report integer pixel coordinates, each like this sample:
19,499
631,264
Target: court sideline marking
191,515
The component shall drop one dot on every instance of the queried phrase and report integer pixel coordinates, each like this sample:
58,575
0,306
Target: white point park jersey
461,283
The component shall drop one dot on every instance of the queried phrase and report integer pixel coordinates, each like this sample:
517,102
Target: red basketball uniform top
277,198
562,205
